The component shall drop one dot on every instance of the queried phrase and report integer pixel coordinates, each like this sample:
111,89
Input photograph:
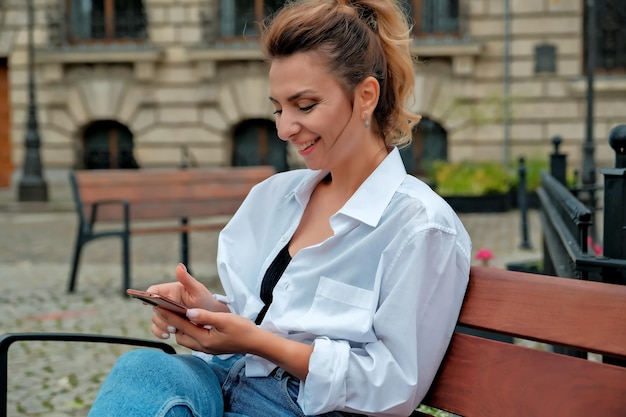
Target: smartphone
159,300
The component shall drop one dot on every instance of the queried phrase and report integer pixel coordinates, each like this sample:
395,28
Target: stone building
148,83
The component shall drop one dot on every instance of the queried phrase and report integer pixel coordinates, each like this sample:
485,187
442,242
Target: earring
367,120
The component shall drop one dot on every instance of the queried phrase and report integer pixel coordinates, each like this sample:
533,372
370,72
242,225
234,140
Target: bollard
522,199
615,197
615,214
558,161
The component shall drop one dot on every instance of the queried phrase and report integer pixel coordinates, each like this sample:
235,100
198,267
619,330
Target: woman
343,281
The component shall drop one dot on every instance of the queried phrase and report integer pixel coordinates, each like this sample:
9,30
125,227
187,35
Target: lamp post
32,186
589,167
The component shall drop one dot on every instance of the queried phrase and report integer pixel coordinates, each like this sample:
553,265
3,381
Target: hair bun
364,11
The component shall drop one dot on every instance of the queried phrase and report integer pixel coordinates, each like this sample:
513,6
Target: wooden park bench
143,201
484,377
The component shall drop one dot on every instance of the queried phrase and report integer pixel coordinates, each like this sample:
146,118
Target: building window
610,38
240,18
430,144
433,18
105,20
108,145
256,142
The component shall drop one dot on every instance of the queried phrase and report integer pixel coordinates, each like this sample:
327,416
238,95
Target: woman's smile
305,148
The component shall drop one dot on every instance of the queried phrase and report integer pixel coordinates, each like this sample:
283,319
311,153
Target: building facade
155,83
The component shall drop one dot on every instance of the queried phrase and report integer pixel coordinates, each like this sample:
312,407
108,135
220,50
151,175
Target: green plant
432,411
534,167
471,178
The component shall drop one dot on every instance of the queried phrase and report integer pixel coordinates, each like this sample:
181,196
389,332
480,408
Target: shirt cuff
324,389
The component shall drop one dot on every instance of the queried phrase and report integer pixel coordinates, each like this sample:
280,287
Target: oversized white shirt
378,300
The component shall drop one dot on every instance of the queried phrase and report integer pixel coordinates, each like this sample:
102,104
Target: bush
471,178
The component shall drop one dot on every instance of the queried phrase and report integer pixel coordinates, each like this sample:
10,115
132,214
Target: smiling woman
343,281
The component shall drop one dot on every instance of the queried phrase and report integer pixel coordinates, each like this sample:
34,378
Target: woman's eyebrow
294,96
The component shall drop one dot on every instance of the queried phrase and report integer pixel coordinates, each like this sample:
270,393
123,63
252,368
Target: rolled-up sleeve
423,277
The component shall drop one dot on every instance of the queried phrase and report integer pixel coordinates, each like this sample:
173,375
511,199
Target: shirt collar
370,200
373,196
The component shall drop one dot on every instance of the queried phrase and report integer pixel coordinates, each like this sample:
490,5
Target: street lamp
589,168
32,186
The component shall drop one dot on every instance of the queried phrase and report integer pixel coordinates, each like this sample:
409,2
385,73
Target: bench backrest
165,193
483,377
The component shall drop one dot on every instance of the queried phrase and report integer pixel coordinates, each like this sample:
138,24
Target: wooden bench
483,377
176,195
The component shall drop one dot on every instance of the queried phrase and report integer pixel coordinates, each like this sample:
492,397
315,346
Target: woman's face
313,111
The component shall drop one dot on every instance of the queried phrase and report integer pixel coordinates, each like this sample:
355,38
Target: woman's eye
277,112
306,108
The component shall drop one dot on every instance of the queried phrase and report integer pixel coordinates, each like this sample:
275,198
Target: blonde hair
357,39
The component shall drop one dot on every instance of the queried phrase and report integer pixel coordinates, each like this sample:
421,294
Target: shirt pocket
340,311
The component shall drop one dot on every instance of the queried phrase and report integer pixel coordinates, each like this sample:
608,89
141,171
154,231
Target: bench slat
553,310
169,176
173,210
168,194
482,377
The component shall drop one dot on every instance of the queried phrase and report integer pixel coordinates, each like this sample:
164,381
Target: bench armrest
7,339
125,205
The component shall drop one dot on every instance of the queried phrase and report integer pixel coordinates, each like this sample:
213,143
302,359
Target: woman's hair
357,39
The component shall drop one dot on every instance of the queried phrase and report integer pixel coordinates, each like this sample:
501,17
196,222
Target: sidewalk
36,243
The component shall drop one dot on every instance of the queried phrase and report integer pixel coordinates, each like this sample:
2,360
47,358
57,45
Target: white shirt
378,300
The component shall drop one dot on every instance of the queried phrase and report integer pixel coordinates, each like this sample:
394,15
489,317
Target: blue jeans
151,383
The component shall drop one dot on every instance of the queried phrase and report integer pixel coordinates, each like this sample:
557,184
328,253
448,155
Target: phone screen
159,300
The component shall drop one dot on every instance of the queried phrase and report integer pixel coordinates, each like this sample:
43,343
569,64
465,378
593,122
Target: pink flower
595,247
484,255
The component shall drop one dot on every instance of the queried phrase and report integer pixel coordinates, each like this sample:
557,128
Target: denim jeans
151,383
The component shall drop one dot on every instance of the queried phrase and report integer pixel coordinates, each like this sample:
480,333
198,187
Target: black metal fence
569,249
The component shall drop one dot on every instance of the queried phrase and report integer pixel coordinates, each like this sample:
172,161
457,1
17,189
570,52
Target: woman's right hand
188,291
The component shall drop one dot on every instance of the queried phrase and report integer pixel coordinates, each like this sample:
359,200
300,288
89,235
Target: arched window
430,143
105,20
256,142
108,145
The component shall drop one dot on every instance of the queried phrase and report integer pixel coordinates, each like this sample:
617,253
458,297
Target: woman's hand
188,291
206,331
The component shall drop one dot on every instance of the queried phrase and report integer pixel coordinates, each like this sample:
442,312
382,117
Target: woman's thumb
185,278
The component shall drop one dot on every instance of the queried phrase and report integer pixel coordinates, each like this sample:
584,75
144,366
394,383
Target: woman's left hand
207,331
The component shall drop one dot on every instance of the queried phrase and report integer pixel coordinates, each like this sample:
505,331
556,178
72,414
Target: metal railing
566,222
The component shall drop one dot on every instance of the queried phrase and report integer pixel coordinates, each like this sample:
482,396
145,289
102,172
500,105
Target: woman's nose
286,126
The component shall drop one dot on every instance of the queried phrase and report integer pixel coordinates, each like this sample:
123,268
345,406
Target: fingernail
171,329
184,267
165,336
193,313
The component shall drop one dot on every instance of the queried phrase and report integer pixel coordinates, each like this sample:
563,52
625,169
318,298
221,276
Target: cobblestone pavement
36,242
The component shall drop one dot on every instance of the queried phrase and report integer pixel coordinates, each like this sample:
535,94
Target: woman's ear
368,93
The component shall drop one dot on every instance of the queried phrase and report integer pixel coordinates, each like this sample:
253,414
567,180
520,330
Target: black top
272,275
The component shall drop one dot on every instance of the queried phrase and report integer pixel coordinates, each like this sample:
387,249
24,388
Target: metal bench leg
75,261
126,262
184,245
